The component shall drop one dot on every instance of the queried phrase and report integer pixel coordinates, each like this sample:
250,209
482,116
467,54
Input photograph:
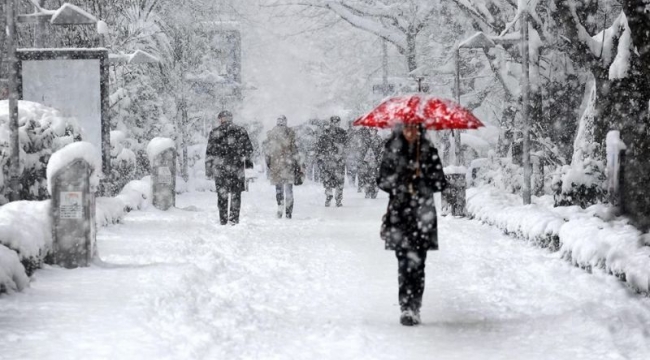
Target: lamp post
525,99
14,140
65,15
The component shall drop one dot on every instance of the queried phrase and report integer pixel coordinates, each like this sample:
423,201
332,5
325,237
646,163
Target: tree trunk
411,51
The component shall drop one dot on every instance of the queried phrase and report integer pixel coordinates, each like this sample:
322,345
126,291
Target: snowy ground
177,285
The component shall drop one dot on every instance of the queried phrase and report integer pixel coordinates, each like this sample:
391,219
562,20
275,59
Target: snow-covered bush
25,228
135,195
12,272
498,172
123,162
583,183
43,130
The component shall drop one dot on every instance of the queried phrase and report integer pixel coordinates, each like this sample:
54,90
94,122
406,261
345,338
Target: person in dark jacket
228,152
371,151
410,172
330,153
353,157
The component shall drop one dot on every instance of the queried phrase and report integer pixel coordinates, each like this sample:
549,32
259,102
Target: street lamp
66,15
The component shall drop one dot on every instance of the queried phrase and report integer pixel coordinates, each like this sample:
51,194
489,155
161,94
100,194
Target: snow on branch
397,37
484,23
618,35
377,20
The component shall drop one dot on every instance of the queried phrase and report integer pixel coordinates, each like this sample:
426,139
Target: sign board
73,81
71,205
164,175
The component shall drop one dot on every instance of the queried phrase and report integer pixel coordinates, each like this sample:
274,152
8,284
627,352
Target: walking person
228,153
410,172
284,165
353,155
372,149
330,152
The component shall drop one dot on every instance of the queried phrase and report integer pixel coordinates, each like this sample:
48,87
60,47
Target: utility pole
525,84
39,30
14,165
456,133
185,122
384,67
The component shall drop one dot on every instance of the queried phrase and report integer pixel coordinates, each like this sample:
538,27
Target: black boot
328,200
409,318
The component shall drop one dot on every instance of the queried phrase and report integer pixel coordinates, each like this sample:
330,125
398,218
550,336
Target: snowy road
176,285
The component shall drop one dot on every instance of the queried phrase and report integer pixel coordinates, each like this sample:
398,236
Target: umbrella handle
417,159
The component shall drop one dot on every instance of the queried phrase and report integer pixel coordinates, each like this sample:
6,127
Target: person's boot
328,200
339,203
280,211
408,318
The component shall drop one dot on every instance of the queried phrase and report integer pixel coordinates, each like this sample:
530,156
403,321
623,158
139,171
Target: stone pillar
73,216
453,198
615,168
163,179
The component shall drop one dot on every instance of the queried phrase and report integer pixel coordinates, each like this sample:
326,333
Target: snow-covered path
177,285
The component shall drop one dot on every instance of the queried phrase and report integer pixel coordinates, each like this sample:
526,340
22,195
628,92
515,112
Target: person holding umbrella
411,172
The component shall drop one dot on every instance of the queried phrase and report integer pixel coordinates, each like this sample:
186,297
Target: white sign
71,206
164,175
70,86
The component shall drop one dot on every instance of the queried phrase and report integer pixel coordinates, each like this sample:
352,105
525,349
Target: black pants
411,278
285,192
235,206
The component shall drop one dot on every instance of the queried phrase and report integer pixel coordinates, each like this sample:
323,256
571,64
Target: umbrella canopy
434,113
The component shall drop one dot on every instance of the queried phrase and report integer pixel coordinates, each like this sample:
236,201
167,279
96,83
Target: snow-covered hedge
43,130
26,231
12,273
25,228
134,196
589,238
501,173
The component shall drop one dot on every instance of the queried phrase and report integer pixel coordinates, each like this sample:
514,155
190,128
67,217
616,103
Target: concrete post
615,169
73,216
163,179
453,197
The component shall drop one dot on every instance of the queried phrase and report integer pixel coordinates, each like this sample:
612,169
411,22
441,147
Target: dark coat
330,154
228,147
410,222
371,152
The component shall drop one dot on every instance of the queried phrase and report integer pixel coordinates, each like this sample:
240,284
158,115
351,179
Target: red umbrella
434,113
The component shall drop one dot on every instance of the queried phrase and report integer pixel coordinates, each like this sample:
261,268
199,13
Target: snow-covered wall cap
158,145
455,170
69,154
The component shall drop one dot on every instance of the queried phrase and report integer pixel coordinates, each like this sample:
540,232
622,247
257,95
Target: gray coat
282,157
